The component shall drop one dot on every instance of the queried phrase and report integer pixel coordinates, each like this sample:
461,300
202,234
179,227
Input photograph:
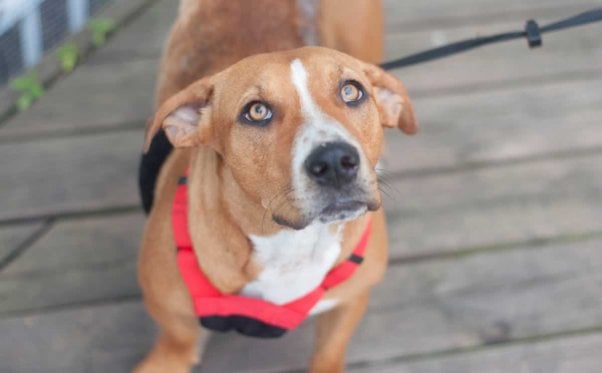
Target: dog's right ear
185,117
392,99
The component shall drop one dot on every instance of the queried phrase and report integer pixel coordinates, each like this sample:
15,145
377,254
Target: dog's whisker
384,183
284,195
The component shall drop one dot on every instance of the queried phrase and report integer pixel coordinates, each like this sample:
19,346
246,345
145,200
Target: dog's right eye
256,113
352,93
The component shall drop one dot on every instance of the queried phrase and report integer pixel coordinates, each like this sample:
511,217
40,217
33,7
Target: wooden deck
495,208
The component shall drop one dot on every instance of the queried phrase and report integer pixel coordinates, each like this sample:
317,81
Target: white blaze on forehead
299,78
312,115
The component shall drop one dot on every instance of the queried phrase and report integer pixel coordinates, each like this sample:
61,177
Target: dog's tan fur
228,173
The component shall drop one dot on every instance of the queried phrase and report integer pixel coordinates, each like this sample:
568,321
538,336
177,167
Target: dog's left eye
352,93
257,113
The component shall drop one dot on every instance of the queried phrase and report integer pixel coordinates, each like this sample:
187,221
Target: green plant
29,88
68,56
100,29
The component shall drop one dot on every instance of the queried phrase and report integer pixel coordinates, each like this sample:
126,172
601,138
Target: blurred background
28,28
494,208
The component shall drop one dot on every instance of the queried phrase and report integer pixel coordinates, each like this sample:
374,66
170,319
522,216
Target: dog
267,210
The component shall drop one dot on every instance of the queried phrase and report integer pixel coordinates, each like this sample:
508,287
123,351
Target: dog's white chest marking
294,262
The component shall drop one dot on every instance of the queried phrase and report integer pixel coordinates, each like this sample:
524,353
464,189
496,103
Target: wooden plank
143,38
72,286
77,261
83,242
441,13
503,125
497,206
69,174
563,55
565,355
93,339
13,235
449,304
93,98
423,308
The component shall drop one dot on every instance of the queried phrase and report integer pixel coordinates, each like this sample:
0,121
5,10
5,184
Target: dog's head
301,131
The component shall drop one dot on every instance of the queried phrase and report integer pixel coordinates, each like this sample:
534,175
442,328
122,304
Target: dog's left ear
185,117
393,102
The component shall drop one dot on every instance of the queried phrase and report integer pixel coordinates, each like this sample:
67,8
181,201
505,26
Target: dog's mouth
336,211
342,210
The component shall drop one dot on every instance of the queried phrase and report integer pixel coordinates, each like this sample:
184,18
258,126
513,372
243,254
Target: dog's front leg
177,346
168,302
333,332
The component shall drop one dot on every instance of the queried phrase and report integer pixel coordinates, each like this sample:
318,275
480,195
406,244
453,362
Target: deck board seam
574,76
27,243
98,129
74,214
437,354
120,57
91,267
469,166
477,20
74,306
533,243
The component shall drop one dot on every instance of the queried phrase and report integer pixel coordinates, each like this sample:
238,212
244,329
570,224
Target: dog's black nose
333,164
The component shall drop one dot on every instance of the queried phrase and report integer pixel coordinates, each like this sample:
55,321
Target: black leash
532,32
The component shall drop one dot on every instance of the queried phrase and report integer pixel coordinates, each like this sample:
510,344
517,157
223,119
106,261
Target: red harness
249,316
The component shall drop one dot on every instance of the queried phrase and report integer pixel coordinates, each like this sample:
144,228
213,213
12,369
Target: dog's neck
202,44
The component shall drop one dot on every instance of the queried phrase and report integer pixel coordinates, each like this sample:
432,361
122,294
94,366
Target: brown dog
281,150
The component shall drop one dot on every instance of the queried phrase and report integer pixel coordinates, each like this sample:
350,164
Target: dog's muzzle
340,193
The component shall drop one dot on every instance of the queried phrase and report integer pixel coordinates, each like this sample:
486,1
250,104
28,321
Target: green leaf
29,88
24,102
68,56
36,91
19,84
24,82
100,29
105,25
98,40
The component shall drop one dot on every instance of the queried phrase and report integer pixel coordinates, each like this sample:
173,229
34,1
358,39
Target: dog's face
301,131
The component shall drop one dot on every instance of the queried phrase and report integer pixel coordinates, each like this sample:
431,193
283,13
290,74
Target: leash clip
533,34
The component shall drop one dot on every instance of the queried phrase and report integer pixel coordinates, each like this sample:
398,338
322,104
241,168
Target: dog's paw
161,362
